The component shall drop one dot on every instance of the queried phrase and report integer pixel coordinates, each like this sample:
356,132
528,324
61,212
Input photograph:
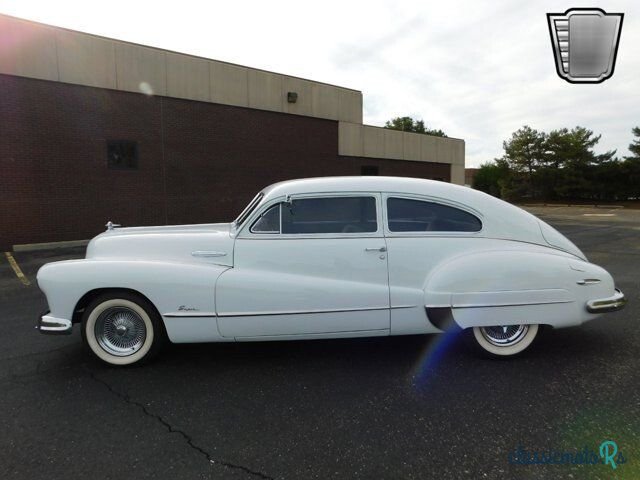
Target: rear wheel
505,340
121,328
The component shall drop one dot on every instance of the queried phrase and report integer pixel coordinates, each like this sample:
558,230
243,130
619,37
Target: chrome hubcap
120,331
504,335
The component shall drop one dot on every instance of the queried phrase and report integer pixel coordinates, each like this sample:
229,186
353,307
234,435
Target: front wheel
505,340
121,328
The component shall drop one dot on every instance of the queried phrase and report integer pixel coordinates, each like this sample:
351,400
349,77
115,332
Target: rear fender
510,287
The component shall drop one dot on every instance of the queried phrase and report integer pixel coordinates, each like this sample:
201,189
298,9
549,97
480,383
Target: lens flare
432,356
145,88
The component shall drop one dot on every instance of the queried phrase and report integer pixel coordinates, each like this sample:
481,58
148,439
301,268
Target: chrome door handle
375,249
208,253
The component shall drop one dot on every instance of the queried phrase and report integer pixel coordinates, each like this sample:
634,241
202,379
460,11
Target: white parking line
16,268
599,214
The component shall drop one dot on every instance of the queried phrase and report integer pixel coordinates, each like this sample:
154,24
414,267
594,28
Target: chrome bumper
52,325
610,304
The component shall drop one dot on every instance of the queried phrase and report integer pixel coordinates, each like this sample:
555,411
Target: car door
313,265
421,233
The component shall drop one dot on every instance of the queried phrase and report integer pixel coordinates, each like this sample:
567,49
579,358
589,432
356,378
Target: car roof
417,186
500,218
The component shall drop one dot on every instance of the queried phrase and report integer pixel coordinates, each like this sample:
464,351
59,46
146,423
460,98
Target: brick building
93,129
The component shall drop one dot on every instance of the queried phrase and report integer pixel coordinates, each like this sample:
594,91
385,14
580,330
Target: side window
406,215
268,222
330,215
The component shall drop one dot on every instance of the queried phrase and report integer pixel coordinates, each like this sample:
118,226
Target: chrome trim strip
615,302
208,253
305,312
298,312
327,335
290,312
588,281
508,304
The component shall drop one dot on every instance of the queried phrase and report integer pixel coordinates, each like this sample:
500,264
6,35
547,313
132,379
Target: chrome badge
585,43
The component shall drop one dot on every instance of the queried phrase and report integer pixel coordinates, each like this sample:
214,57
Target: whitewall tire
505,340
121,329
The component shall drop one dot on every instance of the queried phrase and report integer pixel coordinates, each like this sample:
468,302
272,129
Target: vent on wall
369,170
122,154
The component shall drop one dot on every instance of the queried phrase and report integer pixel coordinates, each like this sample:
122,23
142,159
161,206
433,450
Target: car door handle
375,249
208,253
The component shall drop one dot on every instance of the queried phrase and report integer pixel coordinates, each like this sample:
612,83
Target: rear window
408,215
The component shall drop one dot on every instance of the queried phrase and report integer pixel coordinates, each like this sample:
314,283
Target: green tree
608,180
557,148
561,163
408,124
579,176
631,168
524,152
630,175
491,177
634,146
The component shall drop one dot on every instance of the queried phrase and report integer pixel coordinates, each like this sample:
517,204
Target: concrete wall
35,50
375,142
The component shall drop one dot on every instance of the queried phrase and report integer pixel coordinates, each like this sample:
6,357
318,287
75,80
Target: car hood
206,243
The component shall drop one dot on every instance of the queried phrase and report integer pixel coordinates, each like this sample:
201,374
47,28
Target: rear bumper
53,326
610,304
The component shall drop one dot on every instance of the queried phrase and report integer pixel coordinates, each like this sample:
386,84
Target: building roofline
34,22
429,135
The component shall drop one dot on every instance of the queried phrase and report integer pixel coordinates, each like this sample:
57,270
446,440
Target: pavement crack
171,429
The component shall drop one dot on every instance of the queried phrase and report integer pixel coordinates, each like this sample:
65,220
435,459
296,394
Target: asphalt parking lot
402,407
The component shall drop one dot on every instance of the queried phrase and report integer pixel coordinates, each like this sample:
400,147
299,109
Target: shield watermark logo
585,43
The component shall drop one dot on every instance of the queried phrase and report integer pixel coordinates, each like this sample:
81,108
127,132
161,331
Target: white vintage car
330,257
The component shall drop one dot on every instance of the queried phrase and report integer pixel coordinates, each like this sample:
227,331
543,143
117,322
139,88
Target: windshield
249,208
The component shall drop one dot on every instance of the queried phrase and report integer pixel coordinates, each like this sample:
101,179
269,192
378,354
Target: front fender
167,285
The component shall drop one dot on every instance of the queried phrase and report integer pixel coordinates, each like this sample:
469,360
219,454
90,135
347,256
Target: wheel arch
70,285
88,297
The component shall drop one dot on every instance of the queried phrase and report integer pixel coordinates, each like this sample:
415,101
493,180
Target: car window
268,222
407,215
330,215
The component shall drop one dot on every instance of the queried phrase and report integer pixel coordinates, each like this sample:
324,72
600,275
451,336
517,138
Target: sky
477,69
